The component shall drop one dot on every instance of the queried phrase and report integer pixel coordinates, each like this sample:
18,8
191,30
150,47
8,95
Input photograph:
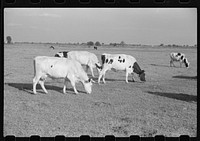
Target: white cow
84,57
178,57
121,62
67,69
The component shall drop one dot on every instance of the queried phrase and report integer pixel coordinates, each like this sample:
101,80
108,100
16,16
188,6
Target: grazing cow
120,62
178,57
95,47
67,69
52,47
84,57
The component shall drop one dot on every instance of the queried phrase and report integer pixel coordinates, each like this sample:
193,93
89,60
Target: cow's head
88,85
142,75
186,62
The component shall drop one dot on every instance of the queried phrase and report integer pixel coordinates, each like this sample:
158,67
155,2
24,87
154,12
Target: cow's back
120,61
52,66
82,56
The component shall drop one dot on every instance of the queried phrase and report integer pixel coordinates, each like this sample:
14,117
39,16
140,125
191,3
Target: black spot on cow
65,54
185,62
51,66
123,60
106,60
181,57
103,57
129,66
178,54
111,61
56,55
119,57
120,61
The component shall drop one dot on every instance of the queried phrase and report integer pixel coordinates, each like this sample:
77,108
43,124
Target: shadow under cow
185,77
28,87
178,96
159,65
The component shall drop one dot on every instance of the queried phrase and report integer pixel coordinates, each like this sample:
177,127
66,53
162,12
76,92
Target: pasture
165,104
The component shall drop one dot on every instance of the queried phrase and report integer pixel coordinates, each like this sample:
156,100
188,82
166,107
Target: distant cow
84,57
178,57
52,47
67,69
120,62
95,47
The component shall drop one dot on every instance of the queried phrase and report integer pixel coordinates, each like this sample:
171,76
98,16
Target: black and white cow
178,57
61,54
86,58
52,47
121,62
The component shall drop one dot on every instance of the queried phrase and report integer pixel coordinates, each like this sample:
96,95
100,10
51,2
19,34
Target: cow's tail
34,65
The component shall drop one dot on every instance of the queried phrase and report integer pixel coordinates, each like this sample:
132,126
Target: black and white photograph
100,71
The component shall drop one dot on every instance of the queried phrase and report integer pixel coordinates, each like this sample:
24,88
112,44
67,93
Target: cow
86,58
52,47
95,47
60,68
178,57
120,62
61,54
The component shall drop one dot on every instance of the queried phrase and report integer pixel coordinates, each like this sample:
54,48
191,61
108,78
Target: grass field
165,104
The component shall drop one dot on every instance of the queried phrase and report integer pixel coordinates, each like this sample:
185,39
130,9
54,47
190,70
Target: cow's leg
99,79
87,67
65,86
127,76
41,82
35,81
91,69
73,85
102,74
72,80
170,63
133,77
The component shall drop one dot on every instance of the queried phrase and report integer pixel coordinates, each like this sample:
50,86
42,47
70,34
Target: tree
97,43
90,43
9,39
122,43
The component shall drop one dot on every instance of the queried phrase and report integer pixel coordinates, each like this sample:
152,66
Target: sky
150,26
